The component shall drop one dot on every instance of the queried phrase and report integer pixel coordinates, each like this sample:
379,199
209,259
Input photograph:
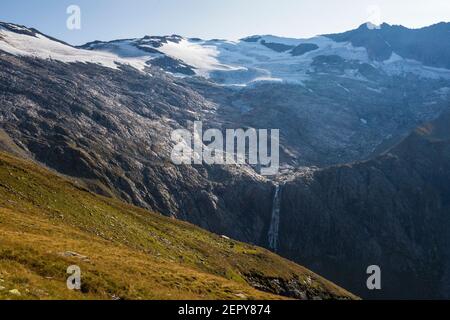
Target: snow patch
201,57
42,47
397,65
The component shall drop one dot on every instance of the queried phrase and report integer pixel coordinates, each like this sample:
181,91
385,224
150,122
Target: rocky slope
337,98
392,211
48,223
111,129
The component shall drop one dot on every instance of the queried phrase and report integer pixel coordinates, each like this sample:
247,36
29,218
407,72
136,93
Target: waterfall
275,222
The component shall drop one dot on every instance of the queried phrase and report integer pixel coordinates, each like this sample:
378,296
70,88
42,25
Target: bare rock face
393,211
111,130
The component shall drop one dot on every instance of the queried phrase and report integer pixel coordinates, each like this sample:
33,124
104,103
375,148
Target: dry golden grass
131,253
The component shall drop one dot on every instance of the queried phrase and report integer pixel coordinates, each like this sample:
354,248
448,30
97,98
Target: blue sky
230,19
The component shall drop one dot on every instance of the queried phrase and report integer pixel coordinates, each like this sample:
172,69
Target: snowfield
230,63
40,46
204,58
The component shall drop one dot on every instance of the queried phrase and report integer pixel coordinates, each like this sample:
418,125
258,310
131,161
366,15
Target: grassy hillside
48,223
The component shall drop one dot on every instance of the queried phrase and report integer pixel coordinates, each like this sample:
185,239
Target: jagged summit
428,45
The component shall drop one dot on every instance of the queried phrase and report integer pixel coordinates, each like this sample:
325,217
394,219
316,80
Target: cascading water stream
275,222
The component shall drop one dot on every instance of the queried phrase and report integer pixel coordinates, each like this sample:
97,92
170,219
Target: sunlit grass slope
48,223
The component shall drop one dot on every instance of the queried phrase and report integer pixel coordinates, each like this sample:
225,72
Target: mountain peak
372,26
427,45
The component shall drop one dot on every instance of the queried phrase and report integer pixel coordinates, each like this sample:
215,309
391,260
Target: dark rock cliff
393,211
